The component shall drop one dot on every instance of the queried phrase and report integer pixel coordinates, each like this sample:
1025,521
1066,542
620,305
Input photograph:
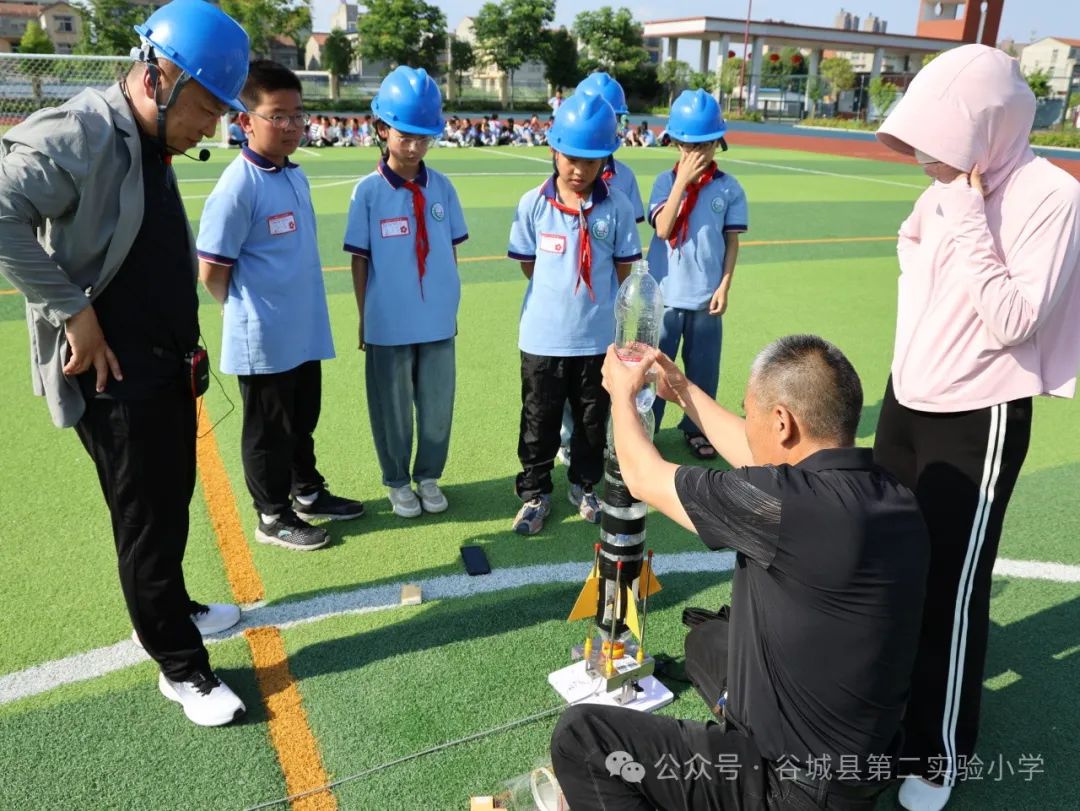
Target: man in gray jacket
93,233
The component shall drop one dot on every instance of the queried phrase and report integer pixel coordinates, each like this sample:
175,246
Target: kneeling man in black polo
813,668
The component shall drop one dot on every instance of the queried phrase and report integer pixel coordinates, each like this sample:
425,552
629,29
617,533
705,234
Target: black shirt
150,310
827,600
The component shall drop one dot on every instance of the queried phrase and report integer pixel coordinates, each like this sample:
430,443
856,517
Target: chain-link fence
29,82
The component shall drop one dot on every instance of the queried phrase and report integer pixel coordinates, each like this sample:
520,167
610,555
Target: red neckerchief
680,230
422,246
584,243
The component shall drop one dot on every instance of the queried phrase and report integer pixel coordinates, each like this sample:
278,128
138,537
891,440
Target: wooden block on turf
482,804
410,594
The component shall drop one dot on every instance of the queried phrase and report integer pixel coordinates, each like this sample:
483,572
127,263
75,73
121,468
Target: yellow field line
290,733
293,741
751,243
240,569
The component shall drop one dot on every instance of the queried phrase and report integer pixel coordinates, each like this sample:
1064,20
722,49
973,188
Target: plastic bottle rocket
610,592
639,310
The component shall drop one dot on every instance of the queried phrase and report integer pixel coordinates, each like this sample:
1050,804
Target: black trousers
546,384
144,451
706,647
277,440
962,467
687,765
681,765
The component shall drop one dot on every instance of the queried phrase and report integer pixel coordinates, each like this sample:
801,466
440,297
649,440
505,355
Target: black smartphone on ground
476,561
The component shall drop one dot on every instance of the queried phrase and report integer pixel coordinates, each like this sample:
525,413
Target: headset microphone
203,156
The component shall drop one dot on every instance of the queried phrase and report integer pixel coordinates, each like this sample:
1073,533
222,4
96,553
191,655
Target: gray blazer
71,205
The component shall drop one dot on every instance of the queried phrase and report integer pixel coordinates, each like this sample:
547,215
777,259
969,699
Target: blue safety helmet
604,85
203,41
409,101
585,127
695,118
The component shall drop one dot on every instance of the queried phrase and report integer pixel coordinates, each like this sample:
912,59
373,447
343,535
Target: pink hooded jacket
989,291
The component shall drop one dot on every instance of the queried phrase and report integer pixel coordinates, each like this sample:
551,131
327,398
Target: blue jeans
700,335
400,379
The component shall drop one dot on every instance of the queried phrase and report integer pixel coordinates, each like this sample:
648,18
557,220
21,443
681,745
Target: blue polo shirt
689,274
259,221
556,319
620,176
382,228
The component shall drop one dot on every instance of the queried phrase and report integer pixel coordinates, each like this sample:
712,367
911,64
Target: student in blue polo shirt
575,238
698,213
259,256
618,176
404,226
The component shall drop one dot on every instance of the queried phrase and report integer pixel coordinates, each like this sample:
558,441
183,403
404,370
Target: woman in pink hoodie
988,318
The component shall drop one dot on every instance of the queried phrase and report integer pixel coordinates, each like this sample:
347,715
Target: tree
35,41
295,24
265,19
701,81
108,27
403,32
674,75
337,58
882,94
561,59
610,41
926,60
815,90
1039,82
838,73
462,60
729,76
511,33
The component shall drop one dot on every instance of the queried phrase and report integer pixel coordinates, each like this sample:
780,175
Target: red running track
848,147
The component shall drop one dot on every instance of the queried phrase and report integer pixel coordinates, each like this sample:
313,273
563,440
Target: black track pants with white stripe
962,466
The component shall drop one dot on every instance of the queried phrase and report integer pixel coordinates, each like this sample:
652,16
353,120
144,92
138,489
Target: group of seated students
490,131
340,131
640,135
483,131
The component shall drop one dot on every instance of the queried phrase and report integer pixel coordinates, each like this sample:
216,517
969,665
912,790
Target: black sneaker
290,531
329,507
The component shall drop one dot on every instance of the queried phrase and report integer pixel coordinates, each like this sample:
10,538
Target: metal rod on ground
587,650
614,618
644,610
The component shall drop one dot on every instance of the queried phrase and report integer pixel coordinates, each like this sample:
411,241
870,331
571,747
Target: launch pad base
577,686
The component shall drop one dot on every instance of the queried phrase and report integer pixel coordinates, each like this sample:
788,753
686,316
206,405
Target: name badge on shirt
553,243
281,224
397,227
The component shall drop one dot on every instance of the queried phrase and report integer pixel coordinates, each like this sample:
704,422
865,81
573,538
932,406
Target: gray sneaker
404,502
431,497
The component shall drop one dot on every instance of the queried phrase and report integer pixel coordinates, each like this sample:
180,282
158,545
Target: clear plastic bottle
639,309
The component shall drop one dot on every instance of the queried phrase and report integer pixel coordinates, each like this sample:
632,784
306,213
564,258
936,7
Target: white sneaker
405,502
917,794
209,619
431,497
207,701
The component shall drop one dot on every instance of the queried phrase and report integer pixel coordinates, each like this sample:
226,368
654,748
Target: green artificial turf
382,685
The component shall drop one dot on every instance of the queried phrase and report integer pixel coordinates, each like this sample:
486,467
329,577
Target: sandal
700,447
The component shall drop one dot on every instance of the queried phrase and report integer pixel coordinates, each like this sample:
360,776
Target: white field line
101,661
356,178
762,163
